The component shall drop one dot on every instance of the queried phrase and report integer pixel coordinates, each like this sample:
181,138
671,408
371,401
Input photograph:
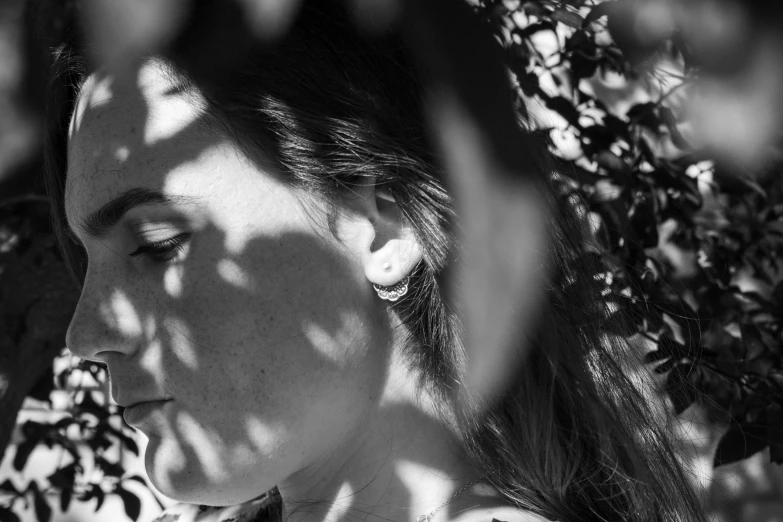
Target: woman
262,262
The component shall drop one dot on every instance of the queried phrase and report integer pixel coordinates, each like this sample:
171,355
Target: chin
178,473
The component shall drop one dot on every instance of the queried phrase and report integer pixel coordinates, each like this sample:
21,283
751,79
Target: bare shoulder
498,514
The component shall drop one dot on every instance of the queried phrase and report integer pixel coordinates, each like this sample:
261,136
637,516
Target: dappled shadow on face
263,332
268,381
262,358
120,124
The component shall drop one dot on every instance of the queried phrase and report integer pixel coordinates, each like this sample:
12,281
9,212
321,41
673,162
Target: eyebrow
100,222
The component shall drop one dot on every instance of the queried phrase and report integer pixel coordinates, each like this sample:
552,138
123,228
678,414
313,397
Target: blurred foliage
690,247
688,243
91,438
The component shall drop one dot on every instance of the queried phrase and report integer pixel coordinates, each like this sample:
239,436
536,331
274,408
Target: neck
400,463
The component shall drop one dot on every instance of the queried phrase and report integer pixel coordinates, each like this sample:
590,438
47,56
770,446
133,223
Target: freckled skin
303,353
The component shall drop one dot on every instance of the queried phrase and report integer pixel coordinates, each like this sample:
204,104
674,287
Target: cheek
275,356
286,309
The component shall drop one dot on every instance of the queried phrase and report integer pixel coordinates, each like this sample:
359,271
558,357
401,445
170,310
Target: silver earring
393,292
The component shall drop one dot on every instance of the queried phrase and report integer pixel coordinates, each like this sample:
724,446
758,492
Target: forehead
126,133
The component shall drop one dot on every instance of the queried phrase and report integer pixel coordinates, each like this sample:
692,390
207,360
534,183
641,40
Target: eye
165,250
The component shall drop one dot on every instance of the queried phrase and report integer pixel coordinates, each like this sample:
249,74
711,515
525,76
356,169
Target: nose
105,321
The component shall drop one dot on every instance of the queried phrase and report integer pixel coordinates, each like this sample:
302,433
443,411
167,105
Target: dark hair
572,438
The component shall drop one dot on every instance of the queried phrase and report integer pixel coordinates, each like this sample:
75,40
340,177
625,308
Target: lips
135,393
130,403
137,412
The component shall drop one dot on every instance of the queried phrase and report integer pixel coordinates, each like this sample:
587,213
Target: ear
395,250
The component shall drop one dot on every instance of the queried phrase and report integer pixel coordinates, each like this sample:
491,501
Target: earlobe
395,250
393,260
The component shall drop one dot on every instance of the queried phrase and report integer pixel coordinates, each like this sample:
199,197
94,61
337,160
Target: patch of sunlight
81,379
342,503
321,340
172,281
150,326
120,311
181,343
61,400
172,114
411,474
235,275
261,435
95,93
152,357
701,471
171,118
754,469
211,461
566,143
331,344
703,172
122,153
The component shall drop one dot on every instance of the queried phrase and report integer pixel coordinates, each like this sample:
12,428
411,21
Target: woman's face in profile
214,286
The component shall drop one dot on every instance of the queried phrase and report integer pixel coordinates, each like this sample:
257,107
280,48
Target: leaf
131,501
98,494
88,405
23,452
751,340
665,366
610,161
740,442
111,469
6,515
622,18
671,123
605,190
599,11
600,138
479,138
9,487
537,27
34,430
63,478
583,42
65,499
137,478
100,441
752,185
564,107
643,221
655,356
568,18
64,423
671,346
644,114
681,391
129,443
582,66
43,511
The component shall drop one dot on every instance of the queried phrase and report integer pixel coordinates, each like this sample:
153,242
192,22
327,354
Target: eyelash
163,251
